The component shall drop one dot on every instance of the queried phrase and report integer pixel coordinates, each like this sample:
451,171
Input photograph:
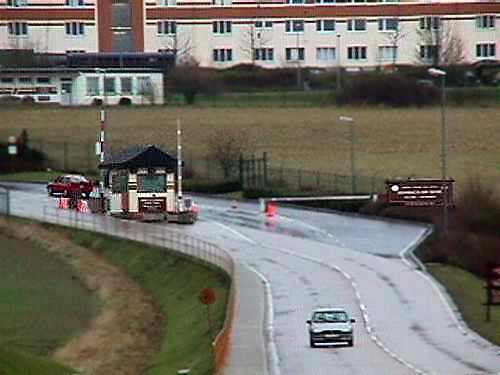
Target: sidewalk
247,353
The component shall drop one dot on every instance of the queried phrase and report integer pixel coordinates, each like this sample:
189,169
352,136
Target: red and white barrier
64,203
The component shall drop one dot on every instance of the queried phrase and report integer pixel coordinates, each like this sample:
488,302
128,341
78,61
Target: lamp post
339,67
442,75
352,136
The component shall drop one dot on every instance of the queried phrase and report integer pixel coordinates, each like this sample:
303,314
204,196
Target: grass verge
42,302
37,176
14,362
468,293
175,282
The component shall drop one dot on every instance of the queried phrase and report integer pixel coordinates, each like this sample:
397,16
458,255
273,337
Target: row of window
326,54
21,28
143,85
25,80
23,3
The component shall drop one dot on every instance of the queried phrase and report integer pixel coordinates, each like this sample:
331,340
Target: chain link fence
4,201
166,239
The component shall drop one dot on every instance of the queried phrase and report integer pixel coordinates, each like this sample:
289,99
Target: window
296,26
167,27
485,22
296,1
356,53
151,183
17,3
75,28
109,85
325,25
223,54
28,80
295,54
264,54
326,1
7,80
387,53
221,27
144,86
126,85
75,51
92,86
263,24
17,28
428,52
485,50
429,23
388,24
74,3
43,80
356,25
325,54
166,3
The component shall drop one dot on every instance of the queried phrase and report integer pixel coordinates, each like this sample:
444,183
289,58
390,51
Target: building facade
77,86
271,33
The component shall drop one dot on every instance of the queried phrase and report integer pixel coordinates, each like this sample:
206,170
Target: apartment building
271,33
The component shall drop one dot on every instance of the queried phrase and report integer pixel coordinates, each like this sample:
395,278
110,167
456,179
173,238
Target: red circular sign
207,296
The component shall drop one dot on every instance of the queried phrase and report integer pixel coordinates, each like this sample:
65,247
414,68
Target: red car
70,184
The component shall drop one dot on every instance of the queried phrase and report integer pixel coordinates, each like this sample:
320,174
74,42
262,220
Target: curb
273,362
445,297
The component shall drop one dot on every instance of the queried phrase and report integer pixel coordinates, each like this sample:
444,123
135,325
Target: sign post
492,288
208,297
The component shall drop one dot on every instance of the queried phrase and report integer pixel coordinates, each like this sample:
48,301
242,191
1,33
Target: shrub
125,101
389,89
212,187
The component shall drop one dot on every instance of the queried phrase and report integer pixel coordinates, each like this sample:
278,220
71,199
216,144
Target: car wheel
50,192
350,343
311,342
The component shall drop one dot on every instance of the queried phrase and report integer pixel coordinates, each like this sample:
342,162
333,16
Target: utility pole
180,205
339,67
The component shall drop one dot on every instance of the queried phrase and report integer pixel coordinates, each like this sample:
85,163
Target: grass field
390,142
468,293
42,303
14,362
175,283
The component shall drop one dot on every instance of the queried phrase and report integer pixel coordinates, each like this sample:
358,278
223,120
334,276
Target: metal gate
4,201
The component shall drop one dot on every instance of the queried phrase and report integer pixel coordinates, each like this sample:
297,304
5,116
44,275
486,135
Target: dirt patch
126,333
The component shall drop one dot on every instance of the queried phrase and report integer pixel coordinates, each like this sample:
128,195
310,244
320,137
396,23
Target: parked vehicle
68,185
330,326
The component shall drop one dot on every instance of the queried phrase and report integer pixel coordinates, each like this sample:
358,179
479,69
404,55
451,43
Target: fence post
265,168
65,156
240,168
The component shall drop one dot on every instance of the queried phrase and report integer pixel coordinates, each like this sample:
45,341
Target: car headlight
316,330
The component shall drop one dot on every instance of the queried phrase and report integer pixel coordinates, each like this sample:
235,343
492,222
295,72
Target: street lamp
339,72
350,120
434,72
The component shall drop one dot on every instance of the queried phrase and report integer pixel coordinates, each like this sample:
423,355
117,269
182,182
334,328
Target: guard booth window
119,184
151,183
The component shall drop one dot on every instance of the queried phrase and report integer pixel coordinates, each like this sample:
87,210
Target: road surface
404,325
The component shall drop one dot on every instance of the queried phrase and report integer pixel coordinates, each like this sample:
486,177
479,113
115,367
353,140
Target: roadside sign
420,192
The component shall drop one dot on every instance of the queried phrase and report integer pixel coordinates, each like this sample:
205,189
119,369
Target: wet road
312,258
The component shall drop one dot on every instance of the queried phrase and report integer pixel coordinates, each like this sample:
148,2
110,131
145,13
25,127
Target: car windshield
78,179
330,317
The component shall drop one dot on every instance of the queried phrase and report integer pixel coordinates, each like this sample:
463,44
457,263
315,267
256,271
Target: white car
330,325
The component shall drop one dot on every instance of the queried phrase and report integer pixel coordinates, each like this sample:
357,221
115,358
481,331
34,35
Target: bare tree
179,43
446,46
394,38
226,147
251,39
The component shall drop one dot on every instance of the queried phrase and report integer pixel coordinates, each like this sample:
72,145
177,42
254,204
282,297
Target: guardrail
167,238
